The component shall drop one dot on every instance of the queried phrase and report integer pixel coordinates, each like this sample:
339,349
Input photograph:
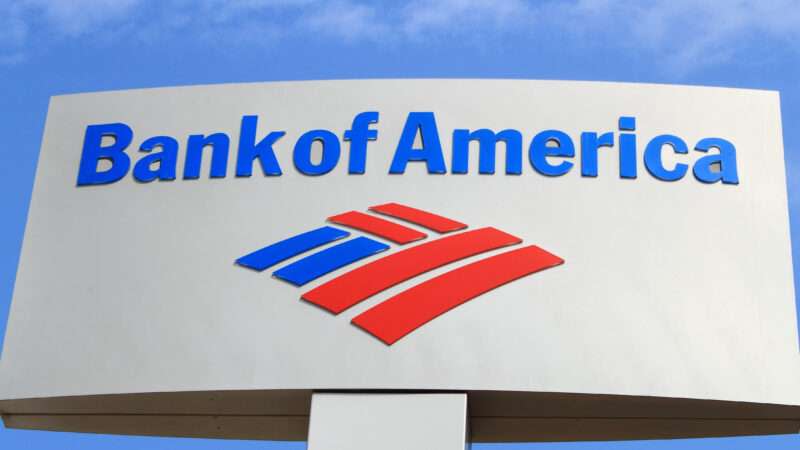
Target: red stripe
379,227
355,286
419,217
405,312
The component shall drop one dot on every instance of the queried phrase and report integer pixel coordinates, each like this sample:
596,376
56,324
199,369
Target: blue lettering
627,148
330,152
487,141
423,123
219,143
104,159
249,150
721,166
540,149
590,143
654,162
627,123
167,159
358,135
93,152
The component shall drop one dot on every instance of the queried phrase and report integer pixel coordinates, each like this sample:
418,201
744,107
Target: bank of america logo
402,313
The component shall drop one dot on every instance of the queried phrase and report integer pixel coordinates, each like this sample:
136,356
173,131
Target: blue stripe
285,249
314,266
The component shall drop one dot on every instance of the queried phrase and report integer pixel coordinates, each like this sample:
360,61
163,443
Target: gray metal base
341,421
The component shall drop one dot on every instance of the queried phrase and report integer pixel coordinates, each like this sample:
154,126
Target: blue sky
52,47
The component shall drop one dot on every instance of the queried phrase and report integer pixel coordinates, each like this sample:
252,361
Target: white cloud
11,59
13,34
475,16
23,20
690,34
76,17
13,29
346,19
682,35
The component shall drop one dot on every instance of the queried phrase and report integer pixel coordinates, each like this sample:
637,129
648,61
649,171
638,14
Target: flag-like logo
406,311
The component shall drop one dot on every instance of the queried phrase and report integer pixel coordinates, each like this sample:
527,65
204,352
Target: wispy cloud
347,20
54,20
13,34
473,16
690,34
77,17
684,34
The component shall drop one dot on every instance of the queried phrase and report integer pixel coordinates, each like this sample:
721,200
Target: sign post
405,421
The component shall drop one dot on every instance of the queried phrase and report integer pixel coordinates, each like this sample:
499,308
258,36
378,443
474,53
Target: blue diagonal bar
314,266
285,249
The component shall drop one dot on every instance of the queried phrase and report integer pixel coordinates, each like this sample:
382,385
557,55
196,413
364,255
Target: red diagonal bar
405,312
419,217
358,284
379,227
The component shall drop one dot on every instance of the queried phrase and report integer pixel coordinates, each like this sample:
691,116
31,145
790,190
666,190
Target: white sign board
655,272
